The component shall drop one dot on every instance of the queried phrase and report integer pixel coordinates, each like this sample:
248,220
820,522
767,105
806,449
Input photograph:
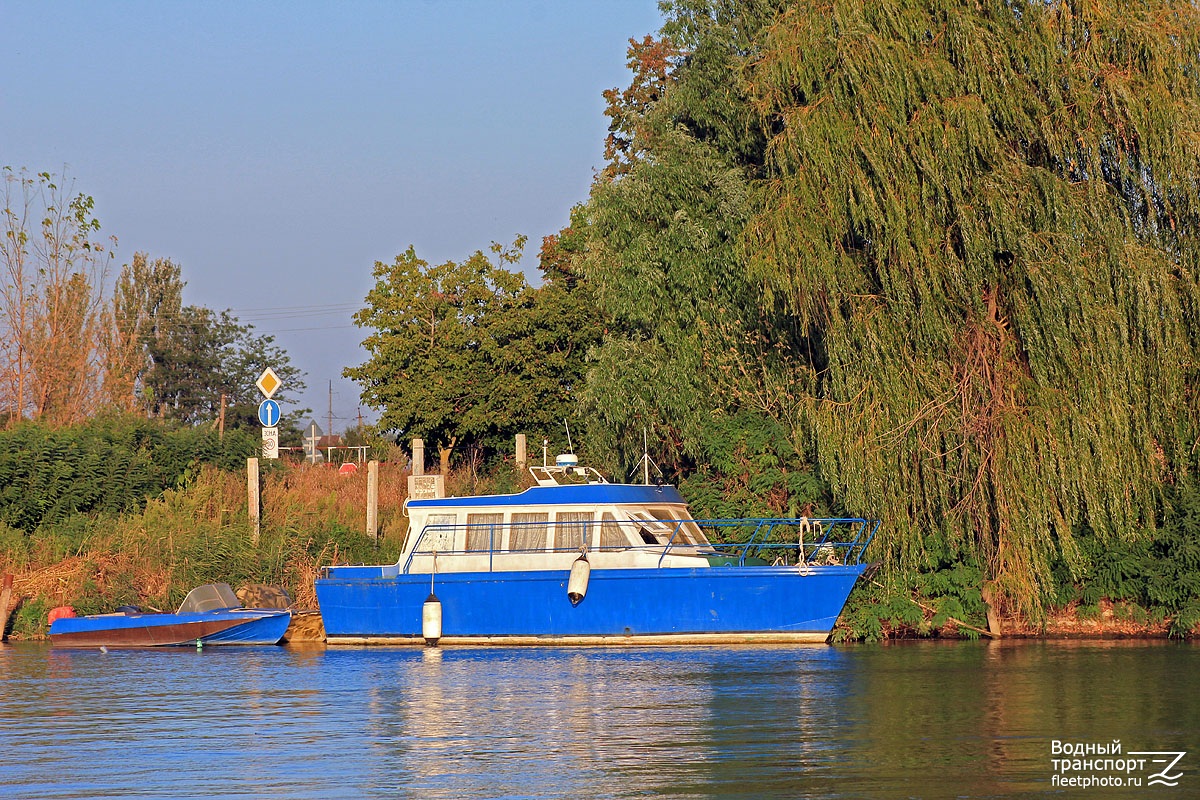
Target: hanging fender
581,570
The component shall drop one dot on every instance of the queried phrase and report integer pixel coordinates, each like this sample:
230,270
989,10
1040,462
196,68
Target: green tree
694,353
201,357
467,354
146,303
962,261
989,213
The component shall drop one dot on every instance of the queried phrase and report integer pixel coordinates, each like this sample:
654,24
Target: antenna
570,447
645,457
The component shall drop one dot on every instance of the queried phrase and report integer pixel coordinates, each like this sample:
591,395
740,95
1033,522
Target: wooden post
521,457
989,605
221,420
253,498
418,456
373,499
5,598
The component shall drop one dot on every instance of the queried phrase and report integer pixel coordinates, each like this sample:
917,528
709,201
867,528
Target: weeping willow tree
986,214
947,249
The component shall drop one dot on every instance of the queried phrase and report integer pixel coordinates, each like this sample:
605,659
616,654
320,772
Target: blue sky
276,151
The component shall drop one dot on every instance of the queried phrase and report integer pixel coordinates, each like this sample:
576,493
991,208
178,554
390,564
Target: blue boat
577,560
210,614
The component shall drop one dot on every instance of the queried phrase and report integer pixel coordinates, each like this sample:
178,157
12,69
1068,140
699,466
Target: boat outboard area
576,559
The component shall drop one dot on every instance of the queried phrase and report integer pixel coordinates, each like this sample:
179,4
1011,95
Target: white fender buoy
577,585
431,620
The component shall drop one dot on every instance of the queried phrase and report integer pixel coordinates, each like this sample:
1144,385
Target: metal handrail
851,547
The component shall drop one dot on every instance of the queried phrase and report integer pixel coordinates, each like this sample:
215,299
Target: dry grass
312,517
304,494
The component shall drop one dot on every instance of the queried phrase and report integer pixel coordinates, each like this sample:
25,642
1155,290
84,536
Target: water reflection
924,719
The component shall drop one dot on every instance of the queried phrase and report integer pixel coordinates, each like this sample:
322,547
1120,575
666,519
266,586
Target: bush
107,466
1160,573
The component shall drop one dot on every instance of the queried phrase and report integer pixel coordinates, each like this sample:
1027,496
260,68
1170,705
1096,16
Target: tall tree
53,267
147,302
202,358
989,211
690,336
963,260
467,354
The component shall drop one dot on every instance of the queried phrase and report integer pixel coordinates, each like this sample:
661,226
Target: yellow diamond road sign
268,383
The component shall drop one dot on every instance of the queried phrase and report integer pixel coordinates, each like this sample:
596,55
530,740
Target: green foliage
30,617
982,211
915,603
108,466
200,355
1160,572
949,249
466,354
747,468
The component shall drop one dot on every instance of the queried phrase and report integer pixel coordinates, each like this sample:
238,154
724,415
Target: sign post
312,441
269,412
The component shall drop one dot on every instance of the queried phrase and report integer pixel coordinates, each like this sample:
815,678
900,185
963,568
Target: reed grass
312,517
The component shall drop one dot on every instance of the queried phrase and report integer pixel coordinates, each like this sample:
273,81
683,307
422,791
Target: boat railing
800,542
792,541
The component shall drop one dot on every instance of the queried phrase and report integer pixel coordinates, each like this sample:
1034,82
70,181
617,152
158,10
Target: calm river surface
926,719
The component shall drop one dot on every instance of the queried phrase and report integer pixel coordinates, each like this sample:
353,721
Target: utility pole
221,420
329,427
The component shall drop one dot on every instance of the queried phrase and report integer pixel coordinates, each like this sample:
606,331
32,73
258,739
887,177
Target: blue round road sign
268,413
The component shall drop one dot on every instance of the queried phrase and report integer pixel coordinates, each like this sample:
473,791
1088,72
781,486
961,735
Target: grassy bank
312,517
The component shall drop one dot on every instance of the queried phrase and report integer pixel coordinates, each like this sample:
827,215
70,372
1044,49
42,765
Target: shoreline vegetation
313,516
925,262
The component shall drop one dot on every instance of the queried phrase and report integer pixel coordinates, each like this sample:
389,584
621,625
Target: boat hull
621,606
235,626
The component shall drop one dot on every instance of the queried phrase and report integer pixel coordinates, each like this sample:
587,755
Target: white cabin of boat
571,510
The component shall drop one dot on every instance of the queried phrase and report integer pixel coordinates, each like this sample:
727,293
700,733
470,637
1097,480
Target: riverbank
1106,620
315,516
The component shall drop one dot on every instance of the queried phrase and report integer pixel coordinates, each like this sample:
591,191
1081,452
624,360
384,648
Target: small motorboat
210,614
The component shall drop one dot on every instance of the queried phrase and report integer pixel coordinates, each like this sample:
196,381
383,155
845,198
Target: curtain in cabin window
484,532
571,529
528,531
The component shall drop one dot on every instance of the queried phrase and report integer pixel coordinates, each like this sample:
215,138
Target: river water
922,719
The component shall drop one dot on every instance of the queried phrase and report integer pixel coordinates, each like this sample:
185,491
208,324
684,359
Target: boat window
439,533
659,525
651,530
611,535
571,529
688,532
484,531
528,531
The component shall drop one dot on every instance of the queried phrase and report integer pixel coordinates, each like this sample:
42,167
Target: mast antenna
645,457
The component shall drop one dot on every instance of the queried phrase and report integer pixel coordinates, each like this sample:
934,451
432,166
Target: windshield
211,597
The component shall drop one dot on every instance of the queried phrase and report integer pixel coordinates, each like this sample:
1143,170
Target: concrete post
373,499
522,459
418,456
253,499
